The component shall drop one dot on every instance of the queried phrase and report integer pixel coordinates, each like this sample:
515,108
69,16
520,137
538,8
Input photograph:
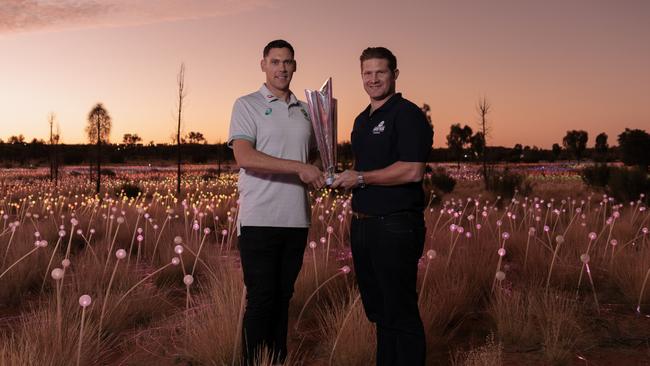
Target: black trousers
271,259
386,251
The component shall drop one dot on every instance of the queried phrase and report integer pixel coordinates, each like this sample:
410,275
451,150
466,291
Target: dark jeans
271,259
386,251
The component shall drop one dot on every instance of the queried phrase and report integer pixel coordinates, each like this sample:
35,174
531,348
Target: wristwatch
360,182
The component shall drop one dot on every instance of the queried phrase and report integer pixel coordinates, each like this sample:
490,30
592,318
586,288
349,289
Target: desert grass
153,323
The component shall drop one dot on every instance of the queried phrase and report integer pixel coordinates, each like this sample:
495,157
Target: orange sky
545,66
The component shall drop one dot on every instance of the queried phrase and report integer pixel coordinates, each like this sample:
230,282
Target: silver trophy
322,111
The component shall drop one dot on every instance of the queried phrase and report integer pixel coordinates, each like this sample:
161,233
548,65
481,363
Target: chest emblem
304,113
268,111
379,128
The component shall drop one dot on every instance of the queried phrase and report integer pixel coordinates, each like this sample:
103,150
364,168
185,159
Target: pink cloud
45,15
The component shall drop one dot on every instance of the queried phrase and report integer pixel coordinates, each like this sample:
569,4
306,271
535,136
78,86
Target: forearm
256,161
400,172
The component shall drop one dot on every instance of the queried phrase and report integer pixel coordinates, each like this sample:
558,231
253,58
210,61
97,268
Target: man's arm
400,172
250,159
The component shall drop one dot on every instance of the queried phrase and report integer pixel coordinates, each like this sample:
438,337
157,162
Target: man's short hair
278,43
381,53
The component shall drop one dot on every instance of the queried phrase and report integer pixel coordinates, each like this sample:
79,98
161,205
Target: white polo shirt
278,129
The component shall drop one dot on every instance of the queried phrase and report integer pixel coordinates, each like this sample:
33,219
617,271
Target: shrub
108,173
627,184
441,180
507,183
624,184
596,175
130,190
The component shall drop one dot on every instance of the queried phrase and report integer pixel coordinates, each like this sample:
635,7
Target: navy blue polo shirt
397,131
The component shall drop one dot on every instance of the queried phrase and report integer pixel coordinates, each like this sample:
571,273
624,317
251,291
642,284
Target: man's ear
263,65
295,65
396,73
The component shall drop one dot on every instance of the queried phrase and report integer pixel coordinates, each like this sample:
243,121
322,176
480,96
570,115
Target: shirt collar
270,97
392,100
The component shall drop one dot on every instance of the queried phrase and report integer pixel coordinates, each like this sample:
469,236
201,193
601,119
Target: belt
362,216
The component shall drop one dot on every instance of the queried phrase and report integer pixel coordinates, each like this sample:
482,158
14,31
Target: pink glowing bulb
330,229
505,235
345,269
139,230
613,242
120,254
175,261
431,254
140,238
323,240
468,234
80,232
65,263
460,229
500,276
57,274
546,228
178,240
559,239
452,227
85,301
312,244
592,235
178,249
195,227
584,258
74,222
501,252
478,226
61,233
224,232
188,280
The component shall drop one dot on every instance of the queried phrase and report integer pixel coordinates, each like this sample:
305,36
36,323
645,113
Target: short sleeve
242,124
414,135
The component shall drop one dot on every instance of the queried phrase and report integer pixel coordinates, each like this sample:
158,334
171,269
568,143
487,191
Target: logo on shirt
379,128
304,113
268,111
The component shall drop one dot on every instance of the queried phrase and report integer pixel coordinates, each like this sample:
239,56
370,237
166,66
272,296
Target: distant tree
131,140
556,150
518,152
576,142
635,147
195,138
426,109
98,131
457,139
477,144
54,139
20,139
483,108
181,97
601,145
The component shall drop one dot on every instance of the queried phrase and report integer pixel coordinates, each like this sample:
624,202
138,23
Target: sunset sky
546,66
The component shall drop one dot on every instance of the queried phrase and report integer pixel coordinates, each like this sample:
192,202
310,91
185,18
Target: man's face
378,80
279,67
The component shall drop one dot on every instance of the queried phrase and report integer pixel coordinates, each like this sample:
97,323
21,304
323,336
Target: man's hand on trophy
348,179
310,174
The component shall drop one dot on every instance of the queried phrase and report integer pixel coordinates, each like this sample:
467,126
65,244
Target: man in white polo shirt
272,138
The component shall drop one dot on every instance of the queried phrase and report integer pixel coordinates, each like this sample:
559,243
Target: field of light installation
140,276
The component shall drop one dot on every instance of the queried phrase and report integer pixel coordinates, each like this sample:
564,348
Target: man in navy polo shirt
391,141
